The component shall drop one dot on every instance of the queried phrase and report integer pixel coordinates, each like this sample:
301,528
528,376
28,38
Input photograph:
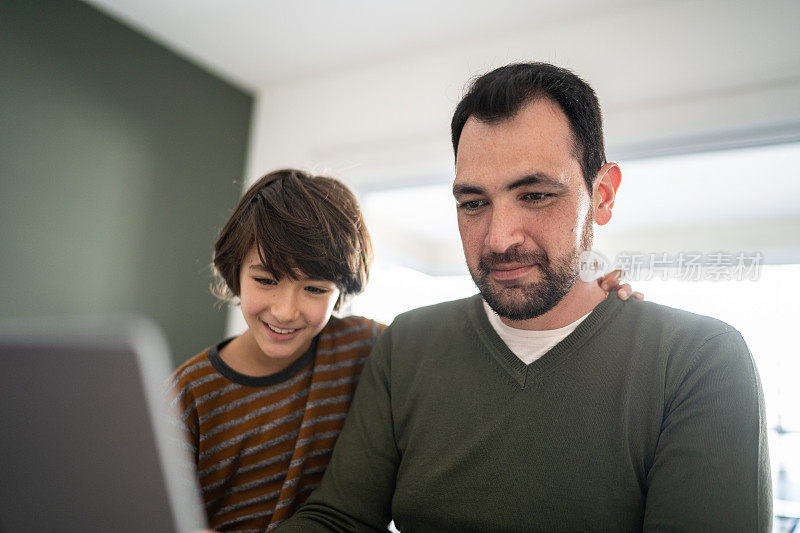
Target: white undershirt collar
529,345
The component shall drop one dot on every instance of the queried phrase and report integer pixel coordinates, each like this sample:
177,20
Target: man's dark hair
498,95
299,223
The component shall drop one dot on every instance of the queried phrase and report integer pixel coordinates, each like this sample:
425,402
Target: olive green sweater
645,417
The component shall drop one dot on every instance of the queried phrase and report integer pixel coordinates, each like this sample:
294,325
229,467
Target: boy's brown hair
300,224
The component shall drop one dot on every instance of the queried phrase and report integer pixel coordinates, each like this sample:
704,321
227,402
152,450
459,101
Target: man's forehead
536,140
538,113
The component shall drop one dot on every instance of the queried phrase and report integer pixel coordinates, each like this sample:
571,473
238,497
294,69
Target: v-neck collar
524,374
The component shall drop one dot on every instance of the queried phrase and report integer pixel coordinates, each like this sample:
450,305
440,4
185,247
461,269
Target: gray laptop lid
84,441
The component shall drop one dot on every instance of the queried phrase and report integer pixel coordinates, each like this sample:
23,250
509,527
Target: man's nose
505,230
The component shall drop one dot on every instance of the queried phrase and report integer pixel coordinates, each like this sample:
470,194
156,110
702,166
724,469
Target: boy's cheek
251,307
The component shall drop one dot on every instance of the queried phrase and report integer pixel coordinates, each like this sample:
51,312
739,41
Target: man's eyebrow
536,178
459,189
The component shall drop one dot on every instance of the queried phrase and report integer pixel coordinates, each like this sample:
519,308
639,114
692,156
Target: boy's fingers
626,292
610,281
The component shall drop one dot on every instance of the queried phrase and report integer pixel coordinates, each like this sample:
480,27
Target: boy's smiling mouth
280,330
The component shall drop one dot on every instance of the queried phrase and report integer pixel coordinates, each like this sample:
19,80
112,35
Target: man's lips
510,272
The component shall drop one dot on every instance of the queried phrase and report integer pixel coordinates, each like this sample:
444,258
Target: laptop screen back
81,445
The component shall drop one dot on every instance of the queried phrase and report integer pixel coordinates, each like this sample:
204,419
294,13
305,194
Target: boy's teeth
279,330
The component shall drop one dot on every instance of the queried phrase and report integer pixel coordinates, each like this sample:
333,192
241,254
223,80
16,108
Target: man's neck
579,301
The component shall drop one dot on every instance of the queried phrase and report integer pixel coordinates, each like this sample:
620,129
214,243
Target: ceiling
254,43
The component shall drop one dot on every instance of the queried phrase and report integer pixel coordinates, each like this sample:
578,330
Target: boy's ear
604,191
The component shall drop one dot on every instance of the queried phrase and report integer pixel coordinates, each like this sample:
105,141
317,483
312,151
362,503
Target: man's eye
536,196
471,205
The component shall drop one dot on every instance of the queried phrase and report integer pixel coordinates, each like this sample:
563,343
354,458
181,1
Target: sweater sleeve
710,471
180,414
358,485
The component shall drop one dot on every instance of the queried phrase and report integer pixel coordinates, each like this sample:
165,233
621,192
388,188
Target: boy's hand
610,282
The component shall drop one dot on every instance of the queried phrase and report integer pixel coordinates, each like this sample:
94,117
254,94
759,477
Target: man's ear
605,191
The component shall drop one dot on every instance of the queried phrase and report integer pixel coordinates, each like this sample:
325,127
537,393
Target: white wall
663,72
671,76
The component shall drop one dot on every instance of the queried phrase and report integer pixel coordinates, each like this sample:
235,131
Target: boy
262,410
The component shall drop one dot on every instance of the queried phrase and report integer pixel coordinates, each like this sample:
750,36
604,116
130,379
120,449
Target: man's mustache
512,255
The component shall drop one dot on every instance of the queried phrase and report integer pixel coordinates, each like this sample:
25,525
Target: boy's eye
316,290
265,281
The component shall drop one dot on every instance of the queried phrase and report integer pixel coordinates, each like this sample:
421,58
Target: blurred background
128,129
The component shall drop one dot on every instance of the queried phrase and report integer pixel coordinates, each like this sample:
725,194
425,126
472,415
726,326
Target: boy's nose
284,309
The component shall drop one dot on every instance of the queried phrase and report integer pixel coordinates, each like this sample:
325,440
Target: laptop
85,440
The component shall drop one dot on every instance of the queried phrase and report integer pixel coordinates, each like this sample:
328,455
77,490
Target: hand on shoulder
610,282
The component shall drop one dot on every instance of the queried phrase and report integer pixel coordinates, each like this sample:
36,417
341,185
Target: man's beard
523,302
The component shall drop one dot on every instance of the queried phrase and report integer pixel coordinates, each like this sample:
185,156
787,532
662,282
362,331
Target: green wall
119,162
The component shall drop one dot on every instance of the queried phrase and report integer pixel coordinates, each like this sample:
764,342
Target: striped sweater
261,444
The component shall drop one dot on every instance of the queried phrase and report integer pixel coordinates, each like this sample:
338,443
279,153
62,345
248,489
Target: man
544,404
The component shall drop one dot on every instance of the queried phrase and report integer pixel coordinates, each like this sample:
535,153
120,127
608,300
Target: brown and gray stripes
261,450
